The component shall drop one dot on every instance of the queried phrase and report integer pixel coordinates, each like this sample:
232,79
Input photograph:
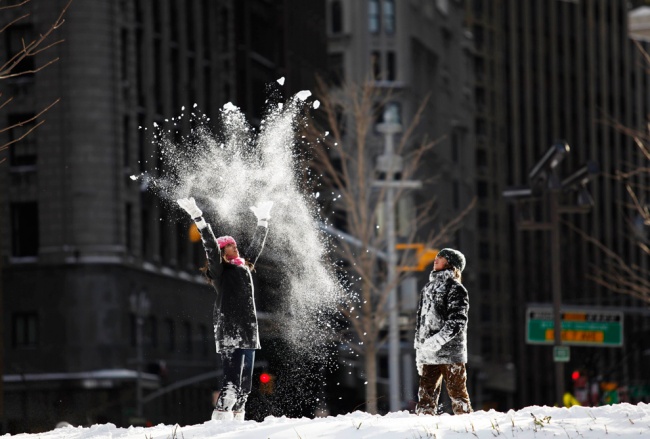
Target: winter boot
239,416
221,415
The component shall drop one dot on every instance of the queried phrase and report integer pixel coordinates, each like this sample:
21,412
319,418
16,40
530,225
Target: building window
145,242
206,25
375,64
336,68
391,66
139,12
187,328
157,18
24,229
373,16
482,189
481,158
336,11
456,144
151,332
170,333
484,250
341,122
23,151
128,222
389,16
124,57
126,141
160,68
133,323
483,219
173,22
17,36
24,331
190,28
181,244
225,36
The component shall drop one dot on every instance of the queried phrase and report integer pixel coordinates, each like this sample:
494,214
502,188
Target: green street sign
580,327
561,354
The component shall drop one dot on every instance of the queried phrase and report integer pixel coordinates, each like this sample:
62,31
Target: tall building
410,50
560,70
89,257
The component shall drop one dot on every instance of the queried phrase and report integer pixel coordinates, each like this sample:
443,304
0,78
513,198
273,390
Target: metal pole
393,323
556,286
139,324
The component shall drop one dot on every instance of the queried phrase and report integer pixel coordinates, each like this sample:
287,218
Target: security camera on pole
390,164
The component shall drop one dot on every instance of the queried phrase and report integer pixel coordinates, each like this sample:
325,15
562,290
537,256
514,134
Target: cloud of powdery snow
239,167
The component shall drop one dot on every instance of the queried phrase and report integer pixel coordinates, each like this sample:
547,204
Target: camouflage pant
455,378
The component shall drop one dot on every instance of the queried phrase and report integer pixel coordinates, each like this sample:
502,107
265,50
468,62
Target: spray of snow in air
240,167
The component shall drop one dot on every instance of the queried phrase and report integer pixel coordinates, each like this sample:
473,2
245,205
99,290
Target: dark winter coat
444,306
235,316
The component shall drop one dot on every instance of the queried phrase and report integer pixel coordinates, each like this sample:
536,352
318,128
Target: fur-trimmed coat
234,315
443,310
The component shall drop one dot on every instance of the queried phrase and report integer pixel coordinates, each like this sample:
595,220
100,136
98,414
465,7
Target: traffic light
267,383
575,376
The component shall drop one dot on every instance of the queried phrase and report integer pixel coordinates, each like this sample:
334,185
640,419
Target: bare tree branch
30,49
17,5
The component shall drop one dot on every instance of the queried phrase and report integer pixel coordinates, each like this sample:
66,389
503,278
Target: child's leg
429,392
456,379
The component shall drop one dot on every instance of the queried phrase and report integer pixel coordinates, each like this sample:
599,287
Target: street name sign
580,327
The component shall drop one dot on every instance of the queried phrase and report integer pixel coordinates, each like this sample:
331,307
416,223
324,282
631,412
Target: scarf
237,261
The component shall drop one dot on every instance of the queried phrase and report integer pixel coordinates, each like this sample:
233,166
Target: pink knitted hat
225,240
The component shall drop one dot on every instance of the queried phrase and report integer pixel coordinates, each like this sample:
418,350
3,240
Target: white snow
316,104
281,81
229,107
606,422
302,95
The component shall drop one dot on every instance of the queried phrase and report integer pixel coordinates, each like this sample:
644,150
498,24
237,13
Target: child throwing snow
441,336
235,318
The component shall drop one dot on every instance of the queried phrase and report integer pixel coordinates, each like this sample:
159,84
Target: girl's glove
263,212
434,343
189,205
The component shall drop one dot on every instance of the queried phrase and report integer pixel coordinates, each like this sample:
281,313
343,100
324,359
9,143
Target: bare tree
12,68
344,159
17,66
617,274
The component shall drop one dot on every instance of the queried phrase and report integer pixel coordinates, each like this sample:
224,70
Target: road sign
580,327
561,354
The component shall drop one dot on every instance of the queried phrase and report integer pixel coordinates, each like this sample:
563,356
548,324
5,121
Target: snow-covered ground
606,422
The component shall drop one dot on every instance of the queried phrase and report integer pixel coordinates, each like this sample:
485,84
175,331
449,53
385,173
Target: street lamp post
140,306
390,164
556,286
545,182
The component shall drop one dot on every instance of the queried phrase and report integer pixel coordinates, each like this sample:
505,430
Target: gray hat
454,257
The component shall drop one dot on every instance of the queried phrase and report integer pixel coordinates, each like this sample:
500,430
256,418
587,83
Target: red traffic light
265,378
575,375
